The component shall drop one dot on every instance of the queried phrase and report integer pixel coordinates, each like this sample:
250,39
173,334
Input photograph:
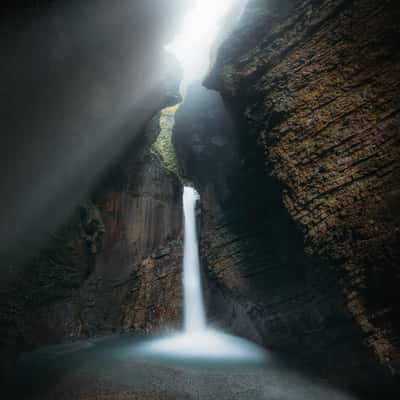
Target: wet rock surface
299,241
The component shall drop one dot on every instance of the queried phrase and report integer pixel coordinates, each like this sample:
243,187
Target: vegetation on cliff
163,146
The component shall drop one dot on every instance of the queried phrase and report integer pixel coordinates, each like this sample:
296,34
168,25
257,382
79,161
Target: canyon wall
298,169
102,250
114,266
318,85
300,221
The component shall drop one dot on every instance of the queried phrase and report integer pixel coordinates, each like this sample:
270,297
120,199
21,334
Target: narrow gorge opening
200,200
205,21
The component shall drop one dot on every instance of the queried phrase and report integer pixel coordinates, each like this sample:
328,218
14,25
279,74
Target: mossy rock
163,146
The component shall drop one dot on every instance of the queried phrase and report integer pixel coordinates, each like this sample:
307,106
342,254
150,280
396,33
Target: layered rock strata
299,191
317,85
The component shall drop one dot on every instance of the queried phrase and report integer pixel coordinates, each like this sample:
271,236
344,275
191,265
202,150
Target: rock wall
114,263
299,217
259,281
114,267
317,84
79,82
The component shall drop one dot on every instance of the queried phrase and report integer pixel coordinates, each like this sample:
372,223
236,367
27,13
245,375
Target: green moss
163,147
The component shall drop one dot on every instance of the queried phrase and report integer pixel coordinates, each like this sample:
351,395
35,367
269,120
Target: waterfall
198,341
194,315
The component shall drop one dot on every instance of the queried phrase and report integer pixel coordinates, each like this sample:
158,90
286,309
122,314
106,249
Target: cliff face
317,85
259,281
114,263
299,183
299,222
114,267
79,82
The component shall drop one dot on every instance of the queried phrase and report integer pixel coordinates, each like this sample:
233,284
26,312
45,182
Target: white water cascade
198,341
193,304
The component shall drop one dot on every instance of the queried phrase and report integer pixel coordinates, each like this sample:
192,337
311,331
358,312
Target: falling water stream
199,362
194,314
124,362
198,340
127,361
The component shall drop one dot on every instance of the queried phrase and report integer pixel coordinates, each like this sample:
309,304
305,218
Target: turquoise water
122,364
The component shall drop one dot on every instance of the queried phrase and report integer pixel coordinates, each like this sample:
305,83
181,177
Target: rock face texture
301,229
259,281
299,183
114,263
114,267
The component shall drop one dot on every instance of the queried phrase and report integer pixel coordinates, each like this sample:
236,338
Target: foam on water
205,345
